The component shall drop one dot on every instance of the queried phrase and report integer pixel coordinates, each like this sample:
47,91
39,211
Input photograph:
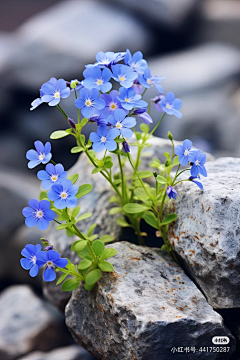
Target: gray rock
206,234
143,309
27,323
72,352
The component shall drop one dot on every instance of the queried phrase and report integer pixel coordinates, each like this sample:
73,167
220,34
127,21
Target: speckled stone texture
143,309
206,234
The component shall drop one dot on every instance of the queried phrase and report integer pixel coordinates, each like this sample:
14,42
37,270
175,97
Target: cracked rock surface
143,309
206,234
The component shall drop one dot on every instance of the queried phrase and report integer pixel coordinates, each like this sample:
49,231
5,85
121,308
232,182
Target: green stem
181,172
53,162
77,108
155,128
122,177
81,235
62,111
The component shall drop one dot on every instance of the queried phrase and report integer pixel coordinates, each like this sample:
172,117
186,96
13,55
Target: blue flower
124,74
184,151
171,105
39,101
104,138
171,193
38,213
125,147
107,59
63,195
143,115
196,182
88,102
122,123
53,174
147,80
112,103
54,90
97,78
136,61
50,260
40,155
30,261
198,159
129,99
156,102
99,118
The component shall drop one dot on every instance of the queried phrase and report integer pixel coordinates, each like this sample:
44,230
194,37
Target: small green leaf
73,245
82,139
168,219
84,216
108,253
93,276
175,161
84,190
138,135
88,287
84,121
75,211
123,223
141,193
161,180
97,170
84,264
69,131
134,208
80,245
73,178
143,174
150,219
144,128
85,254
167,155
107,238
109,164
62,226
58,134
43,195
93,237
70,284
77,149
113,199
62,277
117,181
105,266
91,228
98,247
115,210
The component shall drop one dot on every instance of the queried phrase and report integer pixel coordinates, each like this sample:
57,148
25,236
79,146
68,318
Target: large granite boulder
143,310
206,234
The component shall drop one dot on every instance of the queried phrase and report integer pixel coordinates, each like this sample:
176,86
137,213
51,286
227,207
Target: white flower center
39,214
50,264
56,94
103,139
33,259
99,81
88,102
113,106
54,178
197,162
121,77
41,156
105,61
186,152
63,195
149,81
118,125
169,106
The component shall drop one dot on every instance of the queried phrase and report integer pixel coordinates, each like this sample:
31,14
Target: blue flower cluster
34,258
111,110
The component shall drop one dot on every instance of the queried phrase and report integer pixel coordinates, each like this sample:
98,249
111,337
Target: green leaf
62,277
105,266
108,253
84,121
82,139
161,180
80,245
144,128
115,210
93,237
73,245
91,228
84,264
123,223
69,131
88,287
98,247
117,181
119,140
107,238
43,195
73,178
155,163
109,164
138,135
167,155
134,208
84,190
140,193
93,276
150,219
77,149
175,161
168,219
58,134
62,226
113,199
97,170
70,284
84,216
143,174
85,254
75,211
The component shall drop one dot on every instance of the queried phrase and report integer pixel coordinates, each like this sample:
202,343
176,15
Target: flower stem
155,128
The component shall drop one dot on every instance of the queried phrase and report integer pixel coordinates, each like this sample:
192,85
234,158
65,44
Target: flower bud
72,123
74,84
167,163
125,147
169,135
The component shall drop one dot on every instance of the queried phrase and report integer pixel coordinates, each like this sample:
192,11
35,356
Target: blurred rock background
194,43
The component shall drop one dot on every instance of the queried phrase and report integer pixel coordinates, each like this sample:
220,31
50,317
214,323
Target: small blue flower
53,174
171,193
30,261
122,123
135,61
129,99
50,260
63,195
88,102
54,90
138,88
112,103
184,151
107,59
40,155
196,182
143,115
198,159
38,213
156,102
125,147
147,80
39,101
97,78
104,138
124,74
171,105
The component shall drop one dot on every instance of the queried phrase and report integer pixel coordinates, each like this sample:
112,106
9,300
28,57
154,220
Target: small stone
72,352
